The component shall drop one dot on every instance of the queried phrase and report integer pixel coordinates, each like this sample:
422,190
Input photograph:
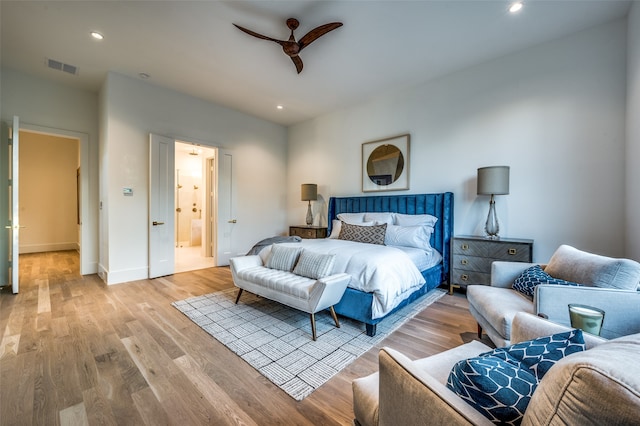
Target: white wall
130,110
555,113
42,103
633,135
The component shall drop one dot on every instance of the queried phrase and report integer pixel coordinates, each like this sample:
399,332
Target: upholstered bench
310,287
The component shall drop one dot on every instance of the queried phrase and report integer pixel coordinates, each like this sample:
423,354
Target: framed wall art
385,164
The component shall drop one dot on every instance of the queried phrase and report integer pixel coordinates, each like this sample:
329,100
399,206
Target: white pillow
415,219
314,265
379,218
353,218
283,258
409,236
336,226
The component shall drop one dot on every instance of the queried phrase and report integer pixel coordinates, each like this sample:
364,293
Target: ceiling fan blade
298,62
313,35
255,34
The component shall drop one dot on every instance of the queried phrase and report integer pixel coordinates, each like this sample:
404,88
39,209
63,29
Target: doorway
54,192
194,181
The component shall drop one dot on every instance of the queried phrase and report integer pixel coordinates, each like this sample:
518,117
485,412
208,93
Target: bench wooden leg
239,294
335,317
479,331
313,325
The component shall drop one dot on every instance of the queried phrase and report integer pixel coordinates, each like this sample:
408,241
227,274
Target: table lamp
309,192
492,181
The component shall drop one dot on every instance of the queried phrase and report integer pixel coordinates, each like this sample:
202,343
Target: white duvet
386,271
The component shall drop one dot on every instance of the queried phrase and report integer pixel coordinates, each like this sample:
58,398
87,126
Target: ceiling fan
292,47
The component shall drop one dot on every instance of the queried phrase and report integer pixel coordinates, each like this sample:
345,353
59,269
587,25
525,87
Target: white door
161,206
226,211
10,266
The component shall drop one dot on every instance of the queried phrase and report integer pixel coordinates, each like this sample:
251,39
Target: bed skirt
357,304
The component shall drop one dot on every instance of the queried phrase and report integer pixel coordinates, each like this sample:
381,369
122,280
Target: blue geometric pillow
500,383
540,354
497,389
533,276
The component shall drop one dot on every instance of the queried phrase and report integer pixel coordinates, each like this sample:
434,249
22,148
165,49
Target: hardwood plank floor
74,351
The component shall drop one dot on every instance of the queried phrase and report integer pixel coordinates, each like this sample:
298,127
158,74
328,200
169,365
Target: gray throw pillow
363,234
283,258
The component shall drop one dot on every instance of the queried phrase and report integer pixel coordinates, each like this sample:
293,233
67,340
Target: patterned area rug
276,340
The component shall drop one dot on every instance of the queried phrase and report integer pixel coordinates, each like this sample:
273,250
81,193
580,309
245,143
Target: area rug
276,340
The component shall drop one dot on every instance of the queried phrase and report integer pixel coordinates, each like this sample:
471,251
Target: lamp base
491,227
309,215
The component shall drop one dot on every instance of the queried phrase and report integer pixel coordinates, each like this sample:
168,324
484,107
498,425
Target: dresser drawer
308,232
462,277
496,250
471,263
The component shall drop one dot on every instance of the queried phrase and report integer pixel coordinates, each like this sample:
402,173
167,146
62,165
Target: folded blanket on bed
272,240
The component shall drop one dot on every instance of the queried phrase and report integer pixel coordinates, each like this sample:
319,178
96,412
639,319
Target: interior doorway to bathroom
194,180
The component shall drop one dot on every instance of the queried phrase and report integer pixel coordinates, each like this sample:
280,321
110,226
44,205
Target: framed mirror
385,164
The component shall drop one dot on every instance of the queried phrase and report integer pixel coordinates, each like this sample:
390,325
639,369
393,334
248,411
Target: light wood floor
74,351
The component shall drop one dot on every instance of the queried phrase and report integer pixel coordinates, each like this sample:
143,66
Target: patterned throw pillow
314,265
499,384
531,277
283,257
363,234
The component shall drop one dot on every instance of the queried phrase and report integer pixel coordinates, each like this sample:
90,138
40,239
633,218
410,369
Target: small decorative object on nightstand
310,232
471,258
493,181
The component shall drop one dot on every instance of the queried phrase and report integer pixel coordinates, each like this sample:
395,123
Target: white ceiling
192,46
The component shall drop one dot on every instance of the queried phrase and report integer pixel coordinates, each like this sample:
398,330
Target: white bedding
386,271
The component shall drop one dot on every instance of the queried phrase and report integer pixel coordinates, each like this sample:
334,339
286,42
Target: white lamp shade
309,192
493,180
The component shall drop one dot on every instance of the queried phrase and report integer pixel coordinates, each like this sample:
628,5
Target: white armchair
607,283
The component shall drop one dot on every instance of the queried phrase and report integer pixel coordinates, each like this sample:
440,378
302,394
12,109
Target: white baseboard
41,248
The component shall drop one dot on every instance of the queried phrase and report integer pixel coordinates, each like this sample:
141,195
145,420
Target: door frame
84,239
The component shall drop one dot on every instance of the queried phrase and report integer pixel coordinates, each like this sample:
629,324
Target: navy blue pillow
500,383
531,277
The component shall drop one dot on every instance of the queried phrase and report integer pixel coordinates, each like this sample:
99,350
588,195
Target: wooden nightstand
308,231
471,258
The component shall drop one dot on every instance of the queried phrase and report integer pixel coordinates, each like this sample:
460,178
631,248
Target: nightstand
309,232
471,258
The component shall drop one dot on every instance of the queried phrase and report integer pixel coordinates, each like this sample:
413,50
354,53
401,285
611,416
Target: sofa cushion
532,277
600,386
283,258
500,383
571,264
314,265
497,306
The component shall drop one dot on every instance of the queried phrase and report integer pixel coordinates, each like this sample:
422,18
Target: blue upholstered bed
357,304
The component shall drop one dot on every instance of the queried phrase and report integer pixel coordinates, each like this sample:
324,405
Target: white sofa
306,294
600,386
608,283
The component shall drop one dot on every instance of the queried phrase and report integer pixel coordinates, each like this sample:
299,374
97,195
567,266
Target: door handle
232,221
154,223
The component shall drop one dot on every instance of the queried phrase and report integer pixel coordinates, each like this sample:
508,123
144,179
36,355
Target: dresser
471,257
308,231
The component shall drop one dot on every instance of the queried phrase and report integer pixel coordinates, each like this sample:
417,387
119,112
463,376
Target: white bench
306,294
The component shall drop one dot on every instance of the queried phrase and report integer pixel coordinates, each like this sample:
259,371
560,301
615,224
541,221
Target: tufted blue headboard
439,205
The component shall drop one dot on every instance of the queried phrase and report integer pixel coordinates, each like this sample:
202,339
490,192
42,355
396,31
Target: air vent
61,66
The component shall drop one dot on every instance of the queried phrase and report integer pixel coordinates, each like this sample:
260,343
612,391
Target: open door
161,206
11,251
226,210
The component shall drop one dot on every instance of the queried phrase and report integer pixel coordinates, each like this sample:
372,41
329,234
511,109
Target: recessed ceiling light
143,75
96,35
279,107
515,7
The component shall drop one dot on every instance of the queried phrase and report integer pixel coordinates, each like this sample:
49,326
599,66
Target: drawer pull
464,277
464,261
513,251
464,246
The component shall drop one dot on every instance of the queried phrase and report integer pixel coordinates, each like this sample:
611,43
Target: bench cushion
278,281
